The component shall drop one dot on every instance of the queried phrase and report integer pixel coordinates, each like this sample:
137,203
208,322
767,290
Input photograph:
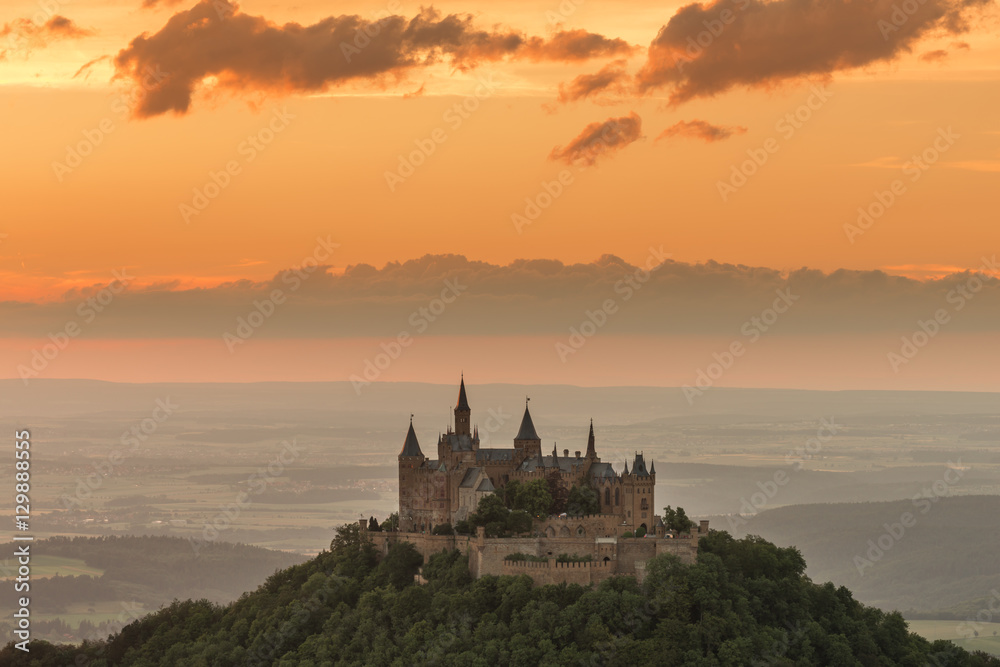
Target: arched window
607,496
617,497
580,531
645,504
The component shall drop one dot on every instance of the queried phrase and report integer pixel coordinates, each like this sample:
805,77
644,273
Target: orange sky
322,170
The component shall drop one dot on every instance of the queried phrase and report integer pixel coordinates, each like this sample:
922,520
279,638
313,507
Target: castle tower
411,461
639,487
527,443
591,448
463,412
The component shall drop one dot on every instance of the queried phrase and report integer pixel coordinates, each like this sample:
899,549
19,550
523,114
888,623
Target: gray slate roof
527,430
411,447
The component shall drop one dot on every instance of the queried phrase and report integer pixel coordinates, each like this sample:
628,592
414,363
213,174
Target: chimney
578,453
566,453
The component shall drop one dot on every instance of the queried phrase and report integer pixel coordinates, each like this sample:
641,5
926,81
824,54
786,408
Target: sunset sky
539,153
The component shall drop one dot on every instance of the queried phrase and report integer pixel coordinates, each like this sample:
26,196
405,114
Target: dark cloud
707,49
529,297
611,78
245,52
150,4
85,68
25,34
600,140
700,129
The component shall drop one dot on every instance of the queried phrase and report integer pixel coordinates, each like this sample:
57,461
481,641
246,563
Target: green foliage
443,529
465,527
640,532
519,522
533,497
392,523
490,510
745,602
628,533
676,519
557,492
573,558
582,500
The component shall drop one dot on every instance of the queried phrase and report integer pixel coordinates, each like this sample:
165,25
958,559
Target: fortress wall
551,572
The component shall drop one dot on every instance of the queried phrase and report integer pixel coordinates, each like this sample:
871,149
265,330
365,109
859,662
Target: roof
488,455
602,470
463,402
527,430
458,443
411,447
639,466
486,485
471,475
564,464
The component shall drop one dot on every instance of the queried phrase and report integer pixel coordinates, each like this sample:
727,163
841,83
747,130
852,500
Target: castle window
617,497
607,496
645,504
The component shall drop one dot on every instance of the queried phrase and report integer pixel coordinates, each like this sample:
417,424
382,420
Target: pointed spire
591,448
527,430
555,455
463,401
652,467
626,467
411,447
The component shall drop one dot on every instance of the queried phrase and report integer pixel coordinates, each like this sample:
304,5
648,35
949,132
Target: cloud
707,49
85,68
26,34
600,140
150,4
934,56
531,297
610,78
249,53
699,129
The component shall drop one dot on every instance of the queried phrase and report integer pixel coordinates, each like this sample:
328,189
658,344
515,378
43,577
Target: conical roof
527,430
411,447
463,402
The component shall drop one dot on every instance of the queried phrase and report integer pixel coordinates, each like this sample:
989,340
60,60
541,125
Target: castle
446,490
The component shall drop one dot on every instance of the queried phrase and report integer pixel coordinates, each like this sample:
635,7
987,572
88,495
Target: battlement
553,572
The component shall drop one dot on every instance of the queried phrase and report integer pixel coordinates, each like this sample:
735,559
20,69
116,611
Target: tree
509,493
582,500
676,520
558,493
373,525
392,523
519,521
443,529
534,498
491,510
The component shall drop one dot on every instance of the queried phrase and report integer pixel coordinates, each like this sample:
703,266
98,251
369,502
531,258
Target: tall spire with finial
463,412
591,448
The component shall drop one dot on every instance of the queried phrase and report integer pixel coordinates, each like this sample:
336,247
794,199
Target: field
961,632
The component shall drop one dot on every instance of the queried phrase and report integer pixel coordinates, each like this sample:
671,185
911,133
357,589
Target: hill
745,602
943,566
83,585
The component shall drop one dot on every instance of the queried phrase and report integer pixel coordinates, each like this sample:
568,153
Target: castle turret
591,448
463,412
411,448
527,443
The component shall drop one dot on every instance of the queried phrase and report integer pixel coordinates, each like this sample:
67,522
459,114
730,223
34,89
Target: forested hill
745,602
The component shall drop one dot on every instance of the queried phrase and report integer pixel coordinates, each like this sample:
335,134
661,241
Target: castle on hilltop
447,489
618,539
